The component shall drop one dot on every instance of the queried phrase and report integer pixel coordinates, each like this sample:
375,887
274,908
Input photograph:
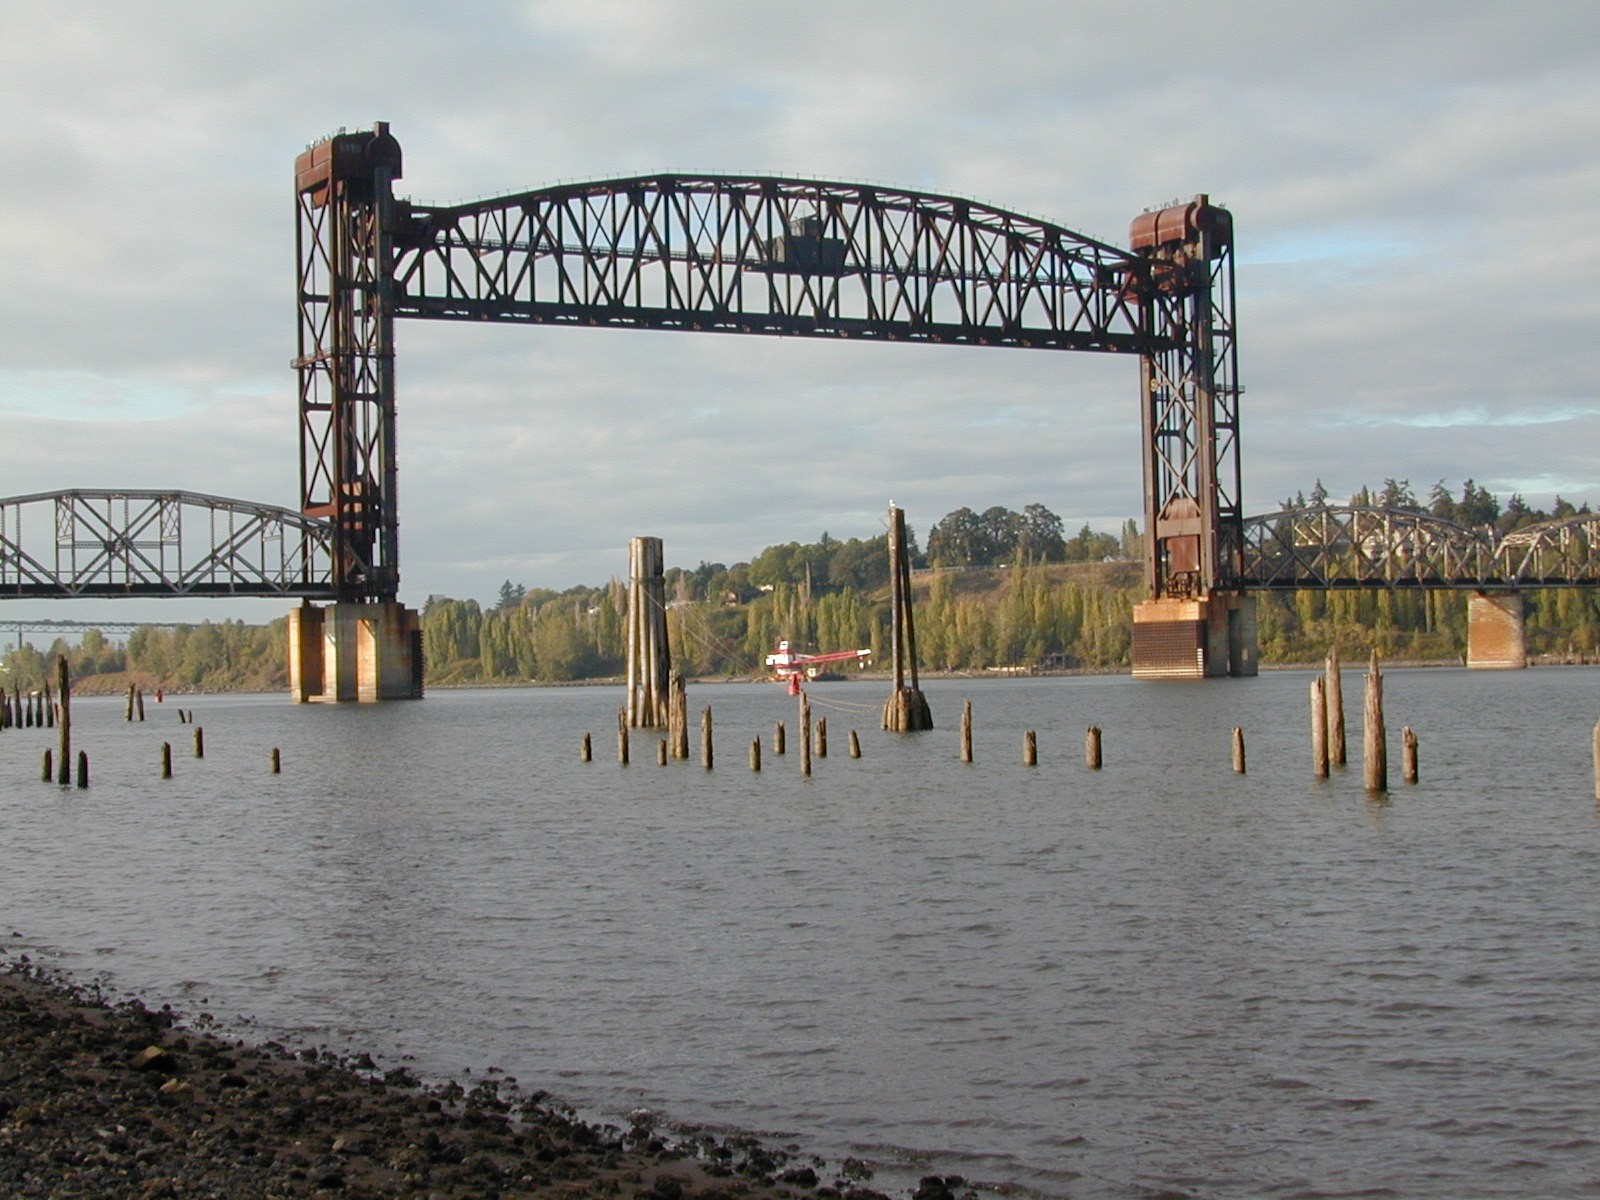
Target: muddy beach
110,1099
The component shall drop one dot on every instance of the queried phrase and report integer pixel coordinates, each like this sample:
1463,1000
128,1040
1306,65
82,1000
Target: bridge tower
1197,622
366,645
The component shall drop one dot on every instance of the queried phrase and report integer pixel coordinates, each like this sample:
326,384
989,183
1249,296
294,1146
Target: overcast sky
1415,190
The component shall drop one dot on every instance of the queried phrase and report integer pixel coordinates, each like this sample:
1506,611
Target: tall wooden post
907,709
1597,760
1319,727
1596,739
805,734
64,688
649,657
678,717
1375,743
1336,738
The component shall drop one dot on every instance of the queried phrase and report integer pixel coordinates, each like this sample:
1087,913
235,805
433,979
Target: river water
1160,975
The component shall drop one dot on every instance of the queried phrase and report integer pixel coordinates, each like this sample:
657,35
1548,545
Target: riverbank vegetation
997,589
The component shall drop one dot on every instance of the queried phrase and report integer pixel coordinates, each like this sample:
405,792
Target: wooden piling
586,750
47,708
679,706
622,737
1319,727
649,660
907,709
1374,741
83,768
48,774
199,742
777,738
755,754
1408,754
1091,748
1030,749
129,715
277,762
1597,762
166,760
822,737
661,752
1336,735
64,720
805,735
855,745
1238,750
966,731
706,755
138,703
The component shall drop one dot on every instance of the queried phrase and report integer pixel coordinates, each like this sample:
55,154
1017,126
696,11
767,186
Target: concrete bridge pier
1495,632
1195,639
355,653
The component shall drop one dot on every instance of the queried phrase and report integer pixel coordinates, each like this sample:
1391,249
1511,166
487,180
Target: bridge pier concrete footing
354,653
1196,639
1496,637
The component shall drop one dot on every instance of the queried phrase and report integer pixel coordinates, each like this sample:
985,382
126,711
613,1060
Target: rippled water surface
1160,975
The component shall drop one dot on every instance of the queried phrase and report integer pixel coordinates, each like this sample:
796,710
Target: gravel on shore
110,1100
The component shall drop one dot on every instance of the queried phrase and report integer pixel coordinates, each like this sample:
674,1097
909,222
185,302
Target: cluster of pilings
53,709
649,656
1328,747
35,709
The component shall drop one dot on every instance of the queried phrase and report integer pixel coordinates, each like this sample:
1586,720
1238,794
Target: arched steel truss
743,254
749,254
158,543
1365,547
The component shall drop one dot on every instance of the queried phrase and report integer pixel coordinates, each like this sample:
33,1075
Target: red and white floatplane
790,666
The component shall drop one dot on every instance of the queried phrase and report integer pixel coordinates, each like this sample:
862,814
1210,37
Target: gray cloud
1413,187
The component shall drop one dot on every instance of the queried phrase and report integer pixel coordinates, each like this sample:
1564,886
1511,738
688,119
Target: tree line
1028,596
1476,506
225,656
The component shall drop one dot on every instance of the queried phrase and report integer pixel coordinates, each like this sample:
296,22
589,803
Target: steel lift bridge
714,253
743,254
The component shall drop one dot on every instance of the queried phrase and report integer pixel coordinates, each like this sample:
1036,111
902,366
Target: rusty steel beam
344,200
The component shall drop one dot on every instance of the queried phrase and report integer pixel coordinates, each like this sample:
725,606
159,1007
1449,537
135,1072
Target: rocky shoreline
111,1099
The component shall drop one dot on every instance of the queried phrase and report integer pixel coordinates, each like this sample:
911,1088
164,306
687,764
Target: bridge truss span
746,254
756,255
127,543
1370,547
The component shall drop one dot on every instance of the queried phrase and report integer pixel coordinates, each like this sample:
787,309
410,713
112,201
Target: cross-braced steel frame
1335,547
344,204
747,254
154,543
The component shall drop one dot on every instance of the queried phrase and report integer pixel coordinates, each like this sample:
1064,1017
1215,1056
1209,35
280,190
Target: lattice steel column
344,203
1193,519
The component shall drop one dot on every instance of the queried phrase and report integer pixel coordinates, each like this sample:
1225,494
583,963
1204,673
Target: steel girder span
1369,547
159,543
